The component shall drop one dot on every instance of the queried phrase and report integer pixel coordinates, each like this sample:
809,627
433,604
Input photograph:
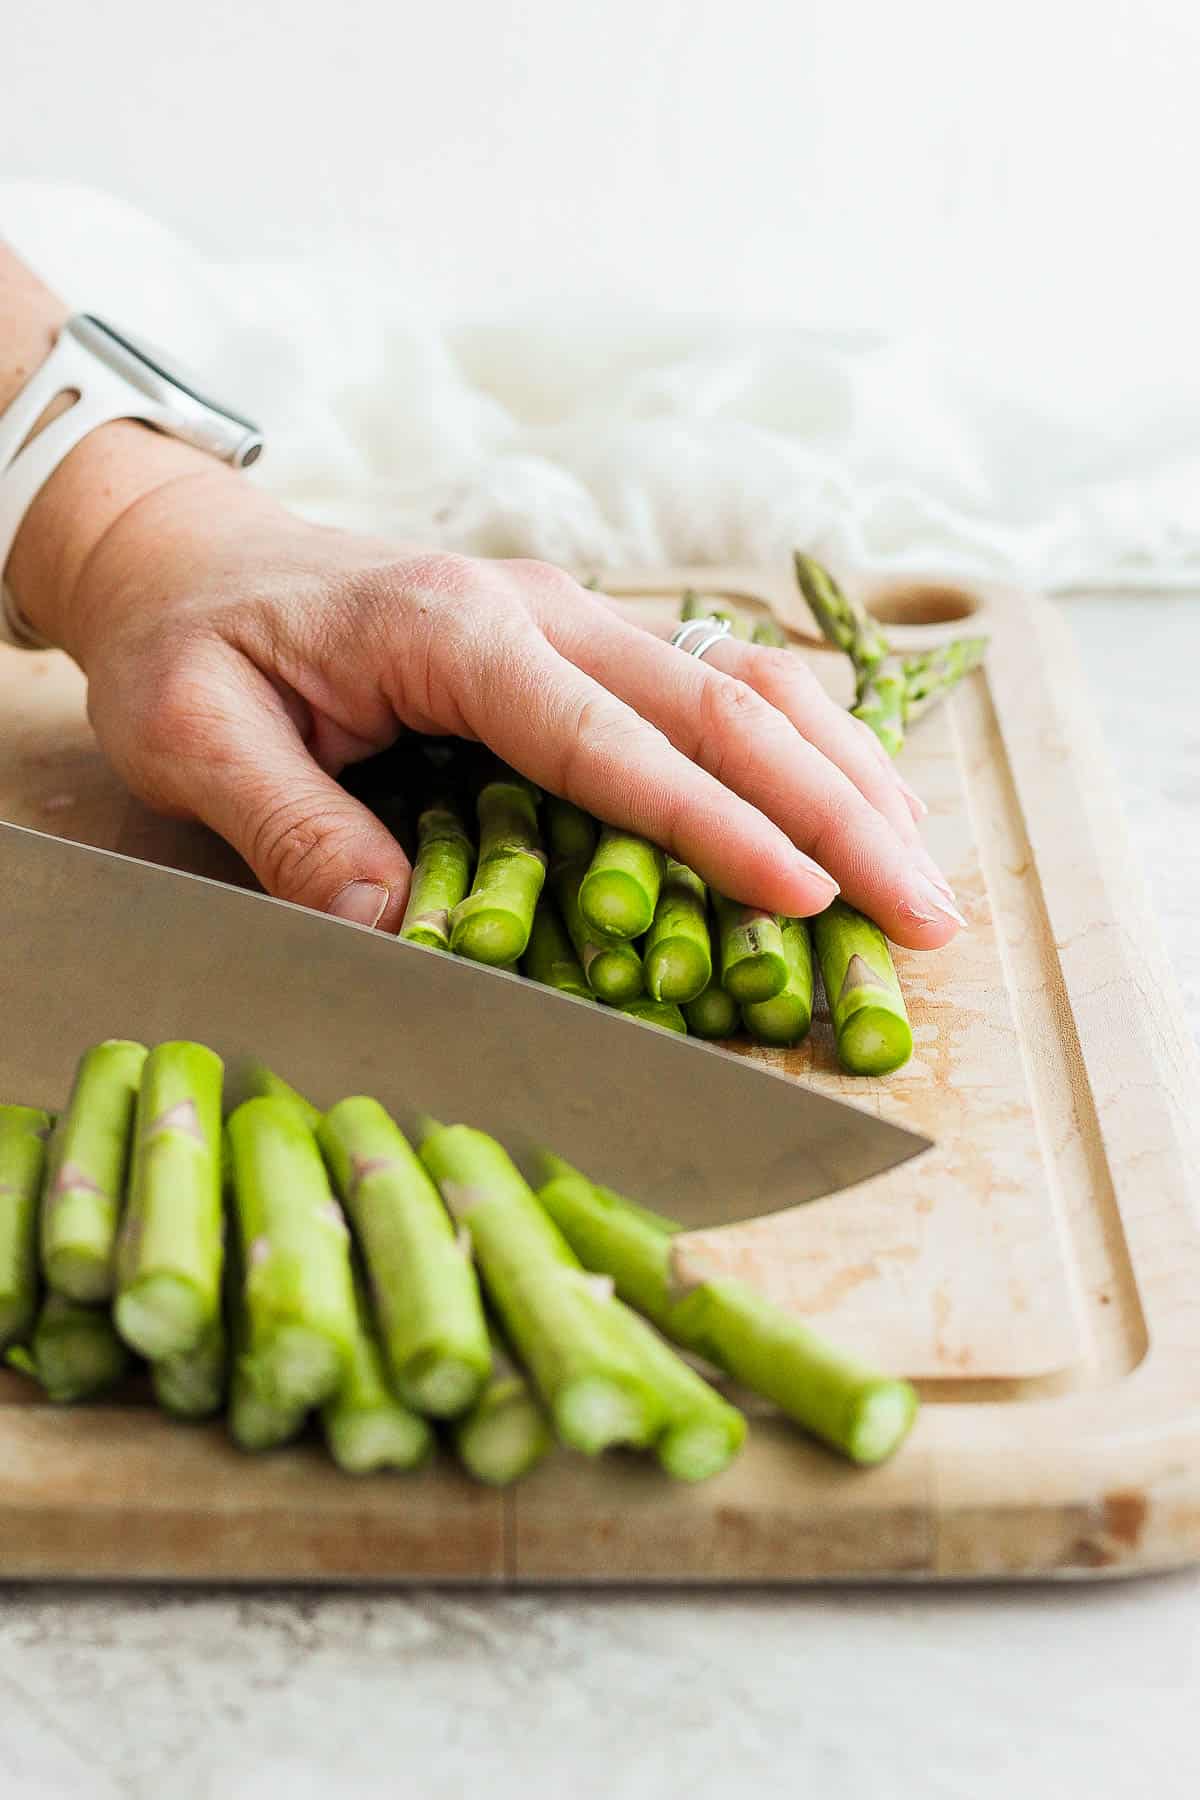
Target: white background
939,163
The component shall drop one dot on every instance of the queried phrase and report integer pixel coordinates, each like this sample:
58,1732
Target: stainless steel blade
97,945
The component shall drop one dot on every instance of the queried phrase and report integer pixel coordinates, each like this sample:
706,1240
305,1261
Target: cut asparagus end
441,1386
363,1442
713,1014
699,1450
615,975
615,904
883,1416
756,978
676,969
81,1363
162,1315
874,1041
594,1413
488,934
505,1442
663,1013
185,1389
78,1272
17,1313
783,1020
256,1423
434,937
303,1368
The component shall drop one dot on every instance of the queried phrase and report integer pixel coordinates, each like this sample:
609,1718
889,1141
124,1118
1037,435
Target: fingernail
360,902
933,898
815,872
916,805
926,863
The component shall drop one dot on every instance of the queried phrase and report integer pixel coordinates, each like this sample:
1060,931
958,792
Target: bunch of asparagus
605,915
282,1264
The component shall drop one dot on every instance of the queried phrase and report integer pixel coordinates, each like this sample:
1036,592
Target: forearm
106,474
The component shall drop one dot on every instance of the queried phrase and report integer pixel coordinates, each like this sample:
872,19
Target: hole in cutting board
922,603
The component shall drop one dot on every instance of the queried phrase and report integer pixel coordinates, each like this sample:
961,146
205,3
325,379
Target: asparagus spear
786,1018
170,1249
441,876
366,1427
865,1001
703,1432
663,1013
86,1171
493,923
864,1414
842,621
564,1328
263,1083
550,955
424,1287
929,676
714,1013
880,703
753,965
770,632
613,971
677,953
295,1252
74,1353
258,1419
620,890
505,1434
23,1134
191,1384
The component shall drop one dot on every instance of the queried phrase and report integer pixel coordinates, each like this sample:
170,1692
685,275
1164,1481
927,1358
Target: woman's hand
238,658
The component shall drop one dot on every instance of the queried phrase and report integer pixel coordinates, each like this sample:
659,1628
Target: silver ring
706,633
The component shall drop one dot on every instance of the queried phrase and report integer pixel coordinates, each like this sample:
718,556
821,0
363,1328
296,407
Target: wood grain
1036,1270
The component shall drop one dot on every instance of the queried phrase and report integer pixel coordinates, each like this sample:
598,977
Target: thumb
304,837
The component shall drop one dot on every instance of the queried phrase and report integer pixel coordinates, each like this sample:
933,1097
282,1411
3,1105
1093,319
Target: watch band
26,466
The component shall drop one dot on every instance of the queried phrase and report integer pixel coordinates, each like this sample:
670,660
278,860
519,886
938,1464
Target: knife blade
97,945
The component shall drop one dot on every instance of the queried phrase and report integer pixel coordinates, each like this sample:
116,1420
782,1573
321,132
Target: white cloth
605,442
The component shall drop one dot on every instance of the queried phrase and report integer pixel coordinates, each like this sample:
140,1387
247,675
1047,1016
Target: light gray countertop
879,1694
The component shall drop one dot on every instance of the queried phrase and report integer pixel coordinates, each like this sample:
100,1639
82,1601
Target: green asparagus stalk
263,1083
620,890
493,923
258,1420
853,1408
75,1353
86,1171
550,955
785,1019
663,1013
867,1007
366,1427
23,1134
505,1434
931,675
441,876
769,632
191,1385
571,834
295,1253
677,953
169,1253
613,971
564,1328
753,965
880,704
842,621
714,1013
698,606
703,1432
424,1287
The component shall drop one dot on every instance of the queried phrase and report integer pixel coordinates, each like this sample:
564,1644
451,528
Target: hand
238,658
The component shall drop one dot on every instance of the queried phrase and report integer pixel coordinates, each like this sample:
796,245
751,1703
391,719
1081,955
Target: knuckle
294,845
732,716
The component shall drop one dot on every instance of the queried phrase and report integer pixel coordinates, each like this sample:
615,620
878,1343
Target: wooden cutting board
1034,1271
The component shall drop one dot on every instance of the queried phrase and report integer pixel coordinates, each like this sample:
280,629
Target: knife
96,945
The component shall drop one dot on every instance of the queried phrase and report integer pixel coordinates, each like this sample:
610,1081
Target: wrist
103,479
